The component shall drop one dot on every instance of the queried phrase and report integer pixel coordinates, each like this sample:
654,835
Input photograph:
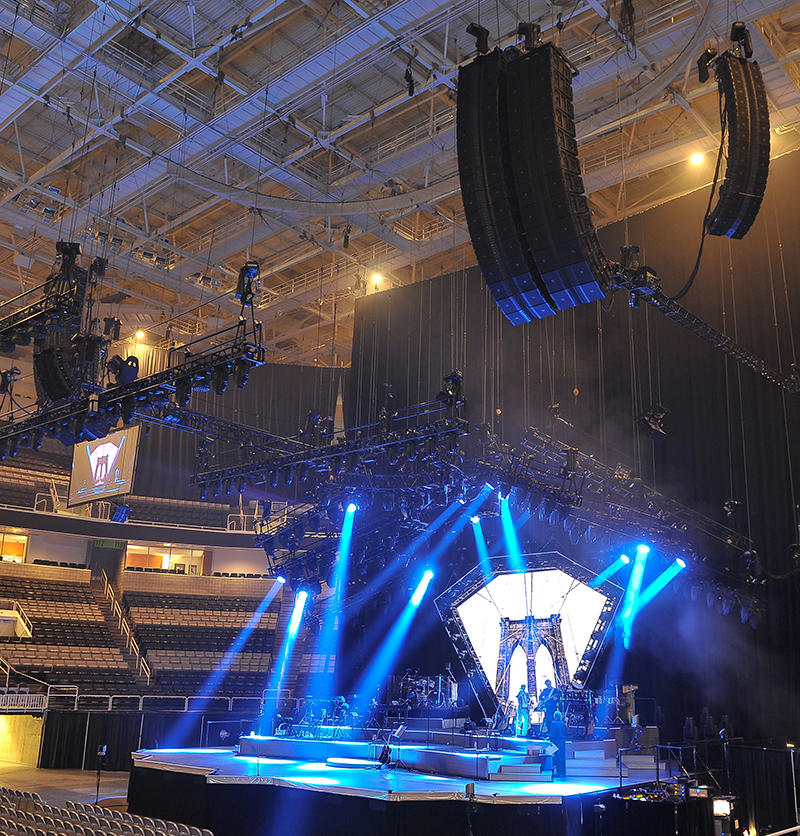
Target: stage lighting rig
102,409
344,457
60,306
643,283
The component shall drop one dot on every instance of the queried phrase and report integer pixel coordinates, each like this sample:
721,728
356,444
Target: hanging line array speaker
521,184
746,112
488,192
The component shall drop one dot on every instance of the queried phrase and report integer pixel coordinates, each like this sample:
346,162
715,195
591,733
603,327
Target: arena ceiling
180,139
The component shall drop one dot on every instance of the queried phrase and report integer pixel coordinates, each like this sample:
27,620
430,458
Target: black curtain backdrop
276,399
67,744
762,781
731,435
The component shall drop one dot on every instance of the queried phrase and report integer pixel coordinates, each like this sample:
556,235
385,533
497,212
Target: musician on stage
548,699
558,737
523,711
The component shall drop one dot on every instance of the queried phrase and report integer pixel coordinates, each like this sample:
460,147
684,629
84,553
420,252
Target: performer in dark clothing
548,699
558,737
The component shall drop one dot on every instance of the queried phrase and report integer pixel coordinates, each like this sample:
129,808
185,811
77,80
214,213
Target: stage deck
224,766
313,787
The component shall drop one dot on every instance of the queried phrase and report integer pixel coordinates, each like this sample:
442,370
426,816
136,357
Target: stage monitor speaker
547,178
487,186
746,110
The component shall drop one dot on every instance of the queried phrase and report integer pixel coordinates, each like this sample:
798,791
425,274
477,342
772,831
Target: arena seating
72,644
185,638
25,814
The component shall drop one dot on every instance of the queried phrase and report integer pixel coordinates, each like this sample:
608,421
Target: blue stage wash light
647,595
280,579
475,520
632,594
419,592
480,545
297,612
609,571
211,685
327,643
510,538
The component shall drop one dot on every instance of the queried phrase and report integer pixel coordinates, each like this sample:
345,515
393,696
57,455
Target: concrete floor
57,786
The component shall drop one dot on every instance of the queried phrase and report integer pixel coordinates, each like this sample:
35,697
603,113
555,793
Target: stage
290,785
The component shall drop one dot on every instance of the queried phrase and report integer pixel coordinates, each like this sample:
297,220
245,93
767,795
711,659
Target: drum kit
333,712
428,691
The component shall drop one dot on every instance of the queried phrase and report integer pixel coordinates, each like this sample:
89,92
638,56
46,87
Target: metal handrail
125,628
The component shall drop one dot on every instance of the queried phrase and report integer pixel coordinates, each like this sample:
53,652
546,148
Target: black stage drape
762,781
276,399
69,743
730,434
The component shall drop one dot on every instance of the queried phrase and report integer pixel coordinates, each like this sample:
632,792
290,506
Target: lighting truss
643,284
477,578
409,443
109,404
623,505
59,307
313,555
171,415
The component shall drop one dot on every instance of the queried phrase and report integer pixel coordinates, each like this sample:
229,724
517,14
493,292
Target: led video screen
104,467
549,608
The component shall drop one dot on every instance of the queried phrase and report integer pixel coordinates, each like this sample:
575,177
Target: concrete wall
20,738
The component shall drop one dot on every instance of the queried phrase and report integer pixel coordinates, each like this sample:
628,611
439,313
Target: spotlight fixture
696,159
241,371
244,286
7,379
651,422
183,391
219,378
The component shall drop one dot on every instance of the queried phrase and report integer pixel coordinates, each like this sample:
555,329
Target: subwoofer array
521,184
746,110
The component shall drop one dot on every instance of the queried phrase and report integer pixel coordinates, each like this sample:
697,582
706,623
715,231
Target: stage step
522,777
639,761
597,767
594,754
516,768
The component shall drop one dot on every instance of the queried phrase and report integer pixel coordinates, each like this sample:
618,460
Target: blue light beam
210,686
510,537
610,571
422,587
659,584
632,593
480,545
327,645
384,659
297,613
